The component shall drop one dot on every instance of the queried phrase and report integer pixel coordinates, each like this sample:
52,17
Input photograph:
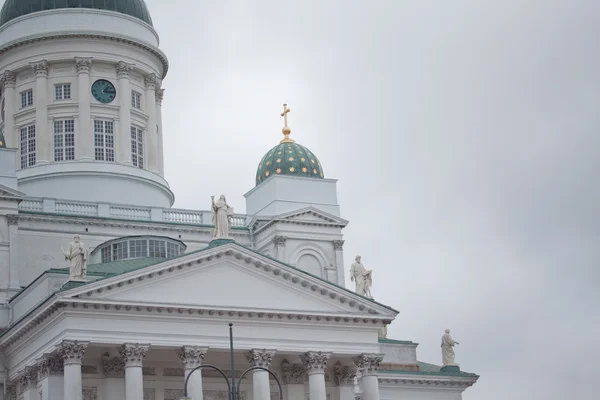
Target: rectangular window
138,248
136,99
27,98
157,248
62,91
28,146
64,140
106,254
119,251
172,250
137,147
104,140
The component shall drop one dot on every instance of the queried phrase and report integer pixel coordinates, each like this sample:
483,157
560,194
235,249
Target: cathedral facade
108,292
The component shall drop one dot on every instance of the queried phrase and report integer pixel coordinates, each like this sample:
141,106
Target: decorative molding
293,374
50,365
40,68
114,367
280,241
174,394
89,369
150,371
159,95
124,70
8,78
150,82
173,372
338,245
90,393
149,394
191,356
343,375
260,358
315,362
430,383
368,363
83,64
133,354
28,379
11,392
72,352
218,395
13,219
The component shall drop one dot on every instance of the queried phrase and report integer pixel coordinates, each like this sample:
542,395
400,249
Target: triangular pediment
233,278
9,193
308,215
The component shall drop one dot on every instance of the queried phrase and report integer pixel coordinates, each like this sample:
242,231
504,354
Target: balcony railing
116,211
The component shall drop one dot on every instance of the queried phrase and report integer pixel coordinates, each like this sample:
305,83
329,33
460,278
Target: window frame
29,158
63,86
67,151
27,101
106,146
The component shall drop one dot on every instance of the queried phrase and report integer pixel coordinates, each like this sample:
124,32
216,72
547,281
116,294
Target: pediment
9,193
308,215
233,278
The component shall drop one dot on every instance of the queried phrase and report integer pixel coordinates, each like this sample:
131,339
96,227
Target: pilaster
28,384
114,377
279,242
161,156
150,83
338,248
344,377
84,140
13,249
293,379
42,137
50,371
9,79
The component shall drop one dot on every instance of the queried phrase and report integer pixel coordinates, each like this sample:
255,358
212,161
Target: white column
50,377
338,248
114,378
344,379
151,81
28,384
133,355
124,93
13,249
261,389
192,357
42,139
84,138
9,80
161,150
72,353
293,379
368,365
315,363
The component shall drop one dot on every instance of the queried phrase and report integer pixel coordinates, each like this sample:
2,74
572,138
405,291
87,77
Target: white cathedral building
81,153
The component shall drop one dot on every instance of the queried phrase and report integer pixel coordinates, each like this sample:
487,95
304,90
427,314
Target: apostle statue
362,277
77,255
448,349
222,214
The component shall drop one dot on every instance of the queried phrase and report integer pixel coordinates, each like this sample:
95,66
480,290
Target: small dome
289,158
15,8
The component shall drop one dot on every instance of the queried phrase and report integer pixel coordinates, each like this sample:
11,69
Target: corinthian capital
8,78
124,70
114,367
72,352
50,365
293,374
28,379
315,362
368,363
280,241
191,356
260,358
133,354
344,375
151,81
40,68
338,245
159,96
83,64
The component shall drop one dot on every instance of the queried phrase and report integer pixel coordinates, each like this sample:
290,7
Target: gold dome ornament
286,129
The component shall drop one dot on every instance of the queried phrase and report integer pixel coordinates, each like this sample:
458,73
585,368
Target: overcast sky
465,137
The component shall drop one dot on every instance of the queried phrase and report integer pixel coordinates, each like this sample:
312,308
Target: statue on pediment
77,255
448,349
362,277
222,214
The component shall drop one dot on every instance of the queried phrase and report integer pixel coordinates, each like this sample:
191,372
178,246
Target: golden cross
286,110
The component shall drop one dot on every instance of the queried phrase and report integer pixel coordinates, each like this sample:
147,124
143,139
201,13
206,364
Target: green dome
15,8
289,158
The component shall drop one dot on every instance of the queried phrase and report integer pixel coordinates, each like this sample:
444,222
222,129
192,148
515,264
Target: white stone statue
77,254
448,349
362,277
222,214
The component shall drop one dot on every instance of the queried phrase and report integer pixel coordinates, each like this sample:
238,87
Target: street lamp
231,389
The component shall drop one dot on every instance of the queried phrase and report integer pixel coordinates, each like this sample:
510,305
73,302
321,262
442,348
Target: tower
81,100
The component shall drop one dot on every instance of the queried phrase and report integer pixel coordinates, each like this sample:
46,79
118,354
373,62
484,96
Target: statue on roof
448,349
362,277
222,213
77,254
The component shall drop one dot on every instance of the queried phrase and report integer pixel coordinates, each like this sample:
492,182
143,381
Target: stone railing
117,211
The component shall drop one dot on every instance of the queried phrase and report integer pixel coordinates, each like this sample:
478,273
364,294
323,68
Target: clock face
104,91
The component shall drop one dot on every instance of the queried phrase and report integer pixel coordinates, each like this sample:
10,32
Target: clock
104,91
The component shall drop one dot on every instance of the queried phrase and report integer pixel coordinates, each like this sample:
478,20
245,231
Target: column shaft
150,101
368,365
192,357
161,154
260,385
194,384
338,246
43,139
13,248
124,134
315,363
84,137
370,387
72,354
133,355
10,100
316,386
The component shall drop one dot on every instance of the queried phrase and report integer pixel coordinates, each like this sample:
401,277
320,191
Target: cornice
260,224
429,382
115,38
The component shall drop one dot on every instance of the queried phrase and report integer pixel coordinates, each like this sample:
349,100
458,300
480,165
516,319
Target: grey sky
465,138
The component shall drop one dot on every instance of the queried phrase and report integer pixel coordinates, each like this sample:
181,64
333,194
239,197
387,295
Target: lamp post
234,393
